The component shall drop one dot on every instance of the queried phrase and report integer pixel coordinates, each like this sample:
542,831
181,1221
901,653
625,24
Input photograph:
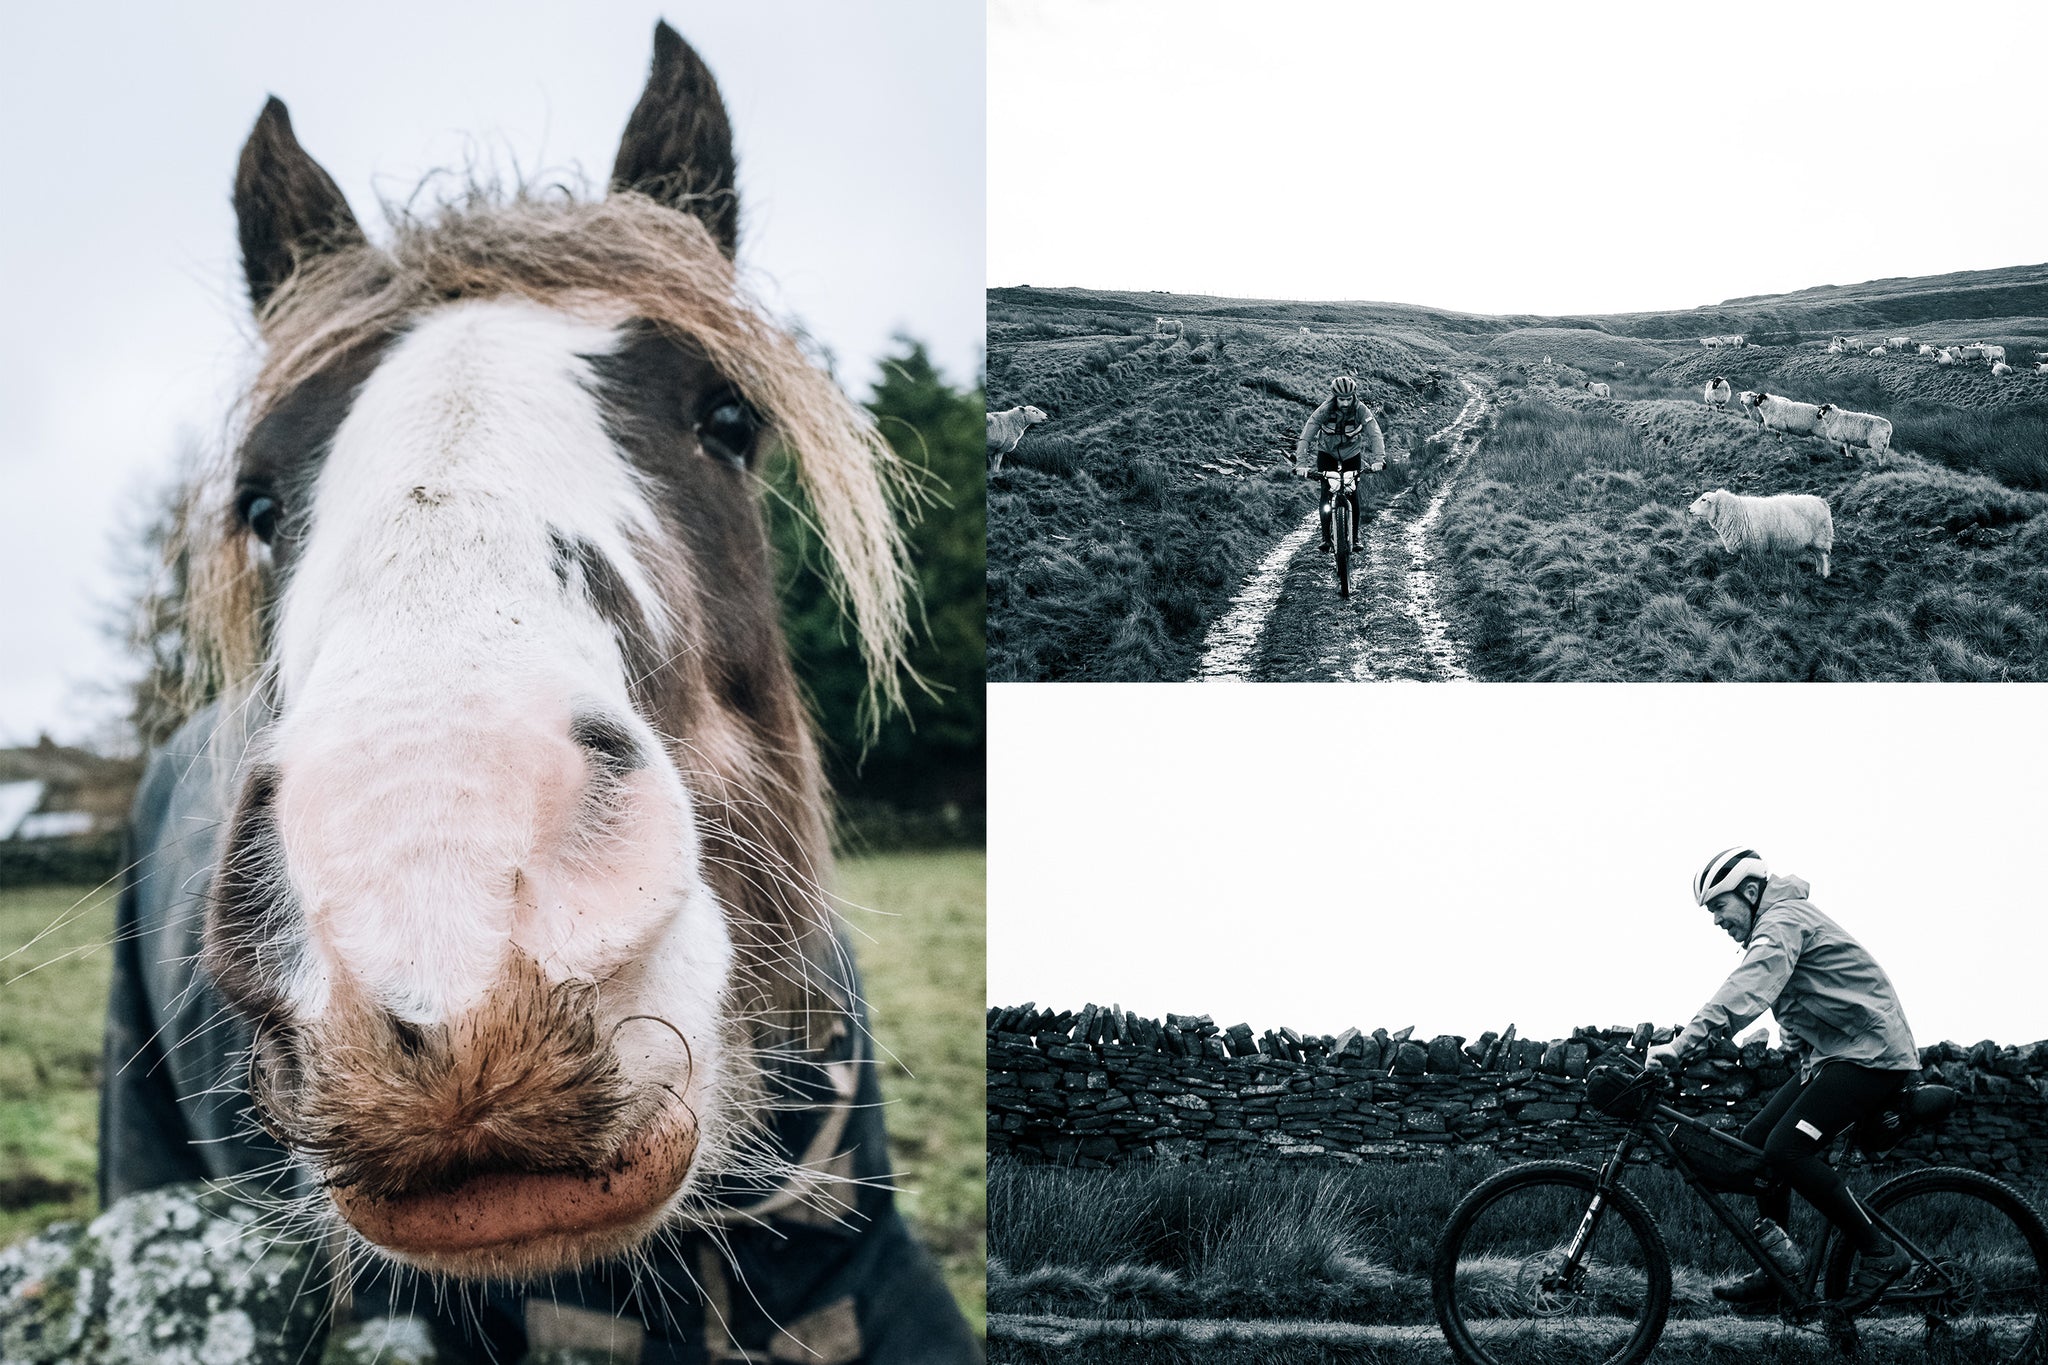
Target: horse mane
624,254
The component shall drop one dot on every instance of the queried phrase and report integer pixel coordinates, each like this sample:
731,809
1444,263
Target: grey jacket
1330,432
1831,999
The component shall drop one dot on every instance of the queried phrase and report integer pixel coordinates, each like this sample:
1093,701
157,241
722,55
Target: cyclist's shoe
1328,547
1875,1274
1755,1292
1357,545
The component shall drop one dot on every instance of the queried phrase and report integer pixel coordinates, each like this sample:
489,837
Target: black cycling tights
1796,1129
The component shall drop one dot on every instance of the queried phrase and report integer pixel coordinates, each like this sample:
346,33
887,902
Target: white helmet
1725,871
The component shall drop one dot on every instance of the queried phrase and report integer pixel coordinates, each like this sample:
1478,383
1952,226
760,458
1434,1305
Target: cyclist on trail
1344,435
1837,1010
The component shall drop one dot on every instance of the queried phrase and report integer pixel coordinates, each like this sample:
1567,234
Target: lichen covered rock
184,1275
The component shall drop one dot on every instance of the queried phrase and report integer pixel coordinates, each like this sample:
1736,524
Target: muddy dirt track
1287,623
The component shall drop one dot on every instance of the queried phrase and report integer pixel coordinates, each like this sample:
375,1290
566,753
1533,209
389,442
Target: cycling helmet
1725,871
1344,386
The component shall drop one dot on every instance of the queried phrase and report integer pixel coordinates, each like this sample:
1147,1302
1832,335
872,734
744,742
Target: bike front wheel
1979,1288
1340,518
1510,1289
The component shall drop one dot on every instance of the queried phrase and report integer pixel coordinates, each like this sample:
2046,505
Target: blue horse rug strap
816,1265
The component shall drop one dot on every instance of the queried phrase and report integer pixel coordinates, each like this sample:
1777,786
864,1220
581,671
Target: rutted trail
1287,623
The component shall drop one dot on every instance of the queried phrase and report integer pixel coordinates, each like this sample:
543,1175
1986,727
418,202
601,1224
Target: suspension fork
1610,1177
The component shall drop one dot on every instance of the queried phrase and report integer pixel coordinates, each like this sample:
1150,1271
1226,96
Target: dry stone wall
1101,1087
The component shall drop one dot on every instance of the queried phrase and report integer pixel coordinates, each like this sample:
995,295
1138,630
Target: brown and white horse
523,878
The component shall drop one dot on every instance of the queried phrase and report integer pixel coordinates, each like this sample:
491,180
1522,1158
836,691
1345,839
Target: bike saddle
1920,1106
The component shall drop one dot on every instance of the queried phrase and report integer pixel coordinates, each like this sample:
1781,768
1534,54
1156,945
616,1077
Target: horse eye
728,430
259,512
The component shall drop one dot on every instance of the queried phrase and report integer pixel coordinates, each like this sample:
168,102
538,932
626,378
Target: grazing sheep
1597,390
1994,353
1973,351
1006,428
1786,523
2000,367
1945,356
1844,428
1717,393
1925,349
1898,343
1783,414
1166,329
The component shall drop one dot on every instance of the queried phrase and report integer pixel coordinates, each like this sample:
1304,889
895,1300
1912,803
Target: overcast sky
859,131
1504,157
1494,855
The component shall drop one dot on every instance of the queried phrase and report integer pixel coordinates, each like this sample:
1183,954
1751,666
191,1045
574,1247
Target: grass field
1574,558
1286,1256
920,944
1120,528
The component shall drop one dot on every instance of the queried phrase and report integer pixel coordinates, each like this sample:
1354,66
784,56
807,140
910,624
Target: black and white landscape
1537,519
1510,224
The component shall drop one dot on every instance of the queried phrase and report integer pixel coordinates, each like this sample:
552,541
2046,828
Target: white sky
859,130
1504,854
1504,157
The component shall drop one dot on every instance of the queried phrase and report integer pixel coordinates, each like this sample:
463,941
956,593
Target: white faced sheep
1973,351
1783,414
1877,350
2000,367
1898,343
1945,356
1994,353
1925,349
1787,523
1717,393
2041,367
1840,426
1006,428
1597,390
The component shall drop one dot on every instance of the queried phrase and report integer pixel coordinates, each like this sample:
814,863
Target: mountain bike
1340,489
1556,1262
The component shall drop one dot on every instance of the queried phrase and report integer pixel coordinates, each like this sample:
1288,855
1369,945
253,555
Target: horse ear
678,145
286,207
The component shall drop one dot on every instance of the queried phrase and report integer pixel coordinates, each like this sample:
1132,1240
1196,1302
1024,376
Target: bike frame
1801,1294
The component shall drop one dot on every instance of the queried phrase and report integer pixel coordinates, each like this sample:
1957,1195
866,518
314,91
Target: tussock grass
1324,1242
1120,527
1575,559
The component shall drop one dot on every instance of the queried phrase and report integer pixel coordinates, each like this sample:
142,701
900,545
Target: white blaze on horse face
435,813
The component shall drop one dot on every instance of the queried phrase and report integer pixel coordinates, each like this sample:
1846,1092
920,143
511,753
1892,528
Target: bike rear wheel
1505,1295
1340,520
1985,1297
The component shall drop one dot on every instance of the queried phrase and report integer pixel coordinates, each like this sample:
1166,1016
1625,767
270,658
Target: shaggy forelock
622,252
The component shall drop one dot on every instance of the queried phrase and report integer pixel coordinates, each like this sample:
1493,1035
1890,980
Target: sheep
1973,351
1844,428
1597,390
1995,354
1783,523
1898,343
1877,350
1783,414
1945,356
2041,367
1925,349
1006,428
1840,344
1717,393
2000,367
